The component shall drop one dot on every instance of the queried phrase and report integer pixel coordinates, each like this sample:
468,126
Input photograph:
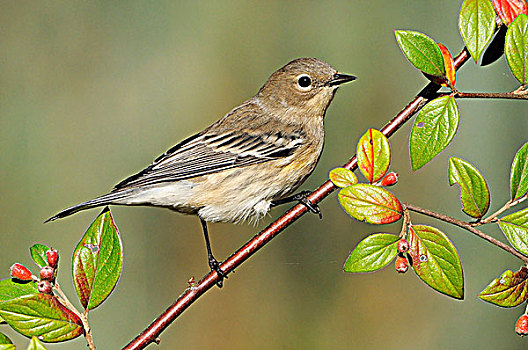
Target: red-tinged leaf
97,261
373,155
35,344
370,203
515,228
508,10
342,177
434,128
449,64
519,173
477,24
516,48
436,261
41,315
38,253
373,253
509,290
474,191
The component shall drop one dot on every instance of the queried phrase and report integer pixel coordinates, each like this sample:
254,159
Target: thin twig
406,223
513,95
63,299
467,226
508,205
152,332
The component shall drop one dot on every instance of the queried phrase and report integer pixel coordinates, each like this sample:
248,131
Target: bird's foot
215,266
302,197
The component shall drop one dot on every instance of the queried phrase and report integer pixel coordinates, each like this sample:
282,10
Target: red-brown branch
152,332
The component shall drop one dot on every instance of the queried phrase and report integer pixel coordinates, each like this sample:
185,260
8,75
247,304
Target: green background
92,91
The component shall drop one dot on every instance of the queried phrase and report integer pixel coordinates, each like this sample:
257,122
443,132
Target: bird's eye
304,81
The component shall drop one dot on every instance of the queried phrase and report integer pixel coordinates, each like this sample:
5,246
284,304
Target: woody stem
467,226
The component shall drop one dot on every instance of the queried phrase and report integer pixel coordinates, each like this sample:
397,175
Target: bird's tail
106,199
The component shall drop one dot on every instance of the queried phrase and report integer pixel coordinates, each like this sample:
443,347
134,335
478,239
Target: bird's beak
339,79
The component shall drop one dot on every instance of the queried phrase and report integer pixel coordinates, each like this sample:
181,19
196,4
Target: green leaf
41,315
373,155
11,290
436,261
5,343
477,24
38,253
434,128
519,173
35,344
516,48
515,228
370,203
97,261
421,51
4,339
373,253
342,177
474,192
509,290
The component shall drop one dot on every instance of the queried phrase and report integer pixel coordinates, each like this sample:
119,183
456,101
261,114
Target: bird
253,158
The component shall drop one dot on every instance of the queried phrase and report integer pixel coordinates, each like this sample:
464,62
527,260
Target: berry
20,272
403,246
47,273
521,327
44,286
390,179
402,264
53,257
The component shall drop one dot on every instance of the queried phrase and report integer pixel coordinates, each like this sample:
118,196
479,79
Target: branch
513,95
84,316
508,205
151,333
467,226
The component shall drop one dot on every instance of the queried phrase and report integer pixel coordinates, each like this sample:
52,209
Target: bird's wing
213,151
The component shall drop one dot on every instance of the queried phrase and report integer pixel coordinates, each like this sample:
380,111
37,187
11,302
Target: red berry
521,327
402,264
390,179
53,257
44,286
47,273
20,272
403,246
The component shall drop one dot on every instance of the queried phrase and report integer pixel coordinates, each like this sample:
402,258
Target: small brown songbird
253,158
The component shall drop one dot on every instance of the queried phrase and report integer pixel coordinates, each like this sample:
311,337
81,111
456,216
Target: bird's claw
215,266
302,197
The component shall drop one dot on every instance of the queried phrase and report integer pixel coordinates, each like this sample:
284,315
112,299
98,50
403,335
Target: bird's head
304,86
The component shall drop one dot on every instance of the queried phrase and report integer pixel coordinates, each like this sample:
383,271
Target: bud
47,273
402,264
390,179
44,286
20,272
403,246
521,327
53,257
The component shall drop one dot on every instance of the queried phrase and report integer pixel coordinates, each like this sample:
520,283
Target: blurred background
91,92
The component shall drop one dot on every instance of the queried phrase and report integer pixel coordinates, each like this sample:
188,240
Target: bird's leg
213,263
301,197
